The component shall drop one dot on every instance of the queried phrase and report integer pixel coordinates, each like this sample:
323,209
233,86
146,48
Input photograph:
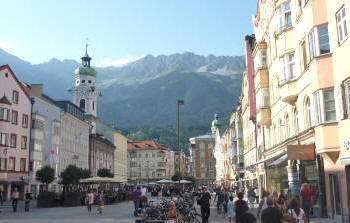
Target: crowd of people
237,205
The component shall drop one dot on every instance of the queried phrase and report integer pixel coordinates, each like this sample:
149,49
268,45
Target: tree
177,177
190,178
104,172
71,175
85,173
45,175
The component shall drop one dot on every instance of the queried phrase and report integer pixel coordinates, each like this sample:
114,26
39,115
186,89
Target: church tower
84,91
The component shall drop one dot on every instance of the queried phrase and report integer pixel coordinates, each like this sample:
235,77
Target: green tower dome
216,122
85,68
82,70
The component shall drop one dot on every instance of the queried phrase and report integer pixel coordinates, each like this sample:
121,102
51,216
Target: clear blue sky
38,30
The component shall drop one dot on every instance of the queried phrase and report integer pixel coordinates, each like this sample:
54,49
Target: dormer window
83,81
89,81
77,81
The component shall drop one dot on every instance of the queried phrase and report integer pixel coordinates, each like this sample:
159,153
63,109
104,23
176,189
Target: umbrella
185,182
97,180
164,181
153,183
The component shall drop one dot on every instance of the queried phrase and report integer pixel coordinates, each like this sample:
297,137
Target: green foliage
177,177
46,199
45,175
190,178
105,173
72,175
85,173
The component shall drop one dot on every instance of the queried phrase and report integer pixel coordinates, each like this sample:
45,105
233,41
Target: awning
279,161
345,160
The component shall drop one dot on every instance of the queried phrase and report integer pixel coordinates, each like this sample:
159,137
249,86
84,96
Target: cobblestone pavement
119,213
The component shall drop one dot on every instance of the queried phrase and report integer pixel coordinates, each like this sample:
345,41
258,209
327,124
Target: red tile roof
145,145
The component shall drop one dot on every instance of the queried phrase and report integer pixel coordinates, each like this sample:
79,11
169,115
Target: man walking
271,214
241,207
136,196
204,202
306,196
15,197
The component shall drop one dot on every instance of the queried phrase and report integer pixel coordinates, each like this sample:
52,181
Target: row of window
324,111
5,116
10,140
10,164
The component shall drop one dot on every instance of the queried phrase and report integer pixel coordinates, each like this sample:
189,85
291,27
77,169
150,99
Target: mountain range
145,92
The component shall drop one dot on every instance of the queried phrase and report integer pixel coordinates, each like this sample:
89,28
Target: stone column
293,178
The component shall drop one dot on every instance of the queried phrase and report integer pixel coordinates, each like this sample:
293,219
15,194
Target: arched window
287,127
93,106
82,104
281,129
296,122
308,112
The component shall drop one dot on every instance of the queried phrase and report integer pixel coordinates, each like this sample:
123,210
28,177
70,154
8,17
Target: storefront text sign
301,152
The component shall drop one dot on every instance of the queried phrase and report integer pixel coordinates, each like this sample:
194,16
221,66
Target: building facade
120,157
45,136
147,161
301,90
74,137
203,160
15,116
101,154
171,163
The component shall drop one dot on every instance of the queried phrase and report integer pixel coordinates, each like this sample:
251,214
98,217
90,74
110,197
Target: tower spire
85,60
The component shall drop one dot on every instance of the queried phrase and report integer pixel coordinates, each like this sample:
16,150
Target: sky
120,31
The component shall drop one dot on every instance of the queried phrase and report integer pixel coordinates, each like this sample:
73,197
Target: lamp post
179,102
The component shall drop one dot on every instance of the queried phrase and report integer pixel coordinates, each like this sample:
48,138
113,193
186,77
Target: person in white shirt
143,191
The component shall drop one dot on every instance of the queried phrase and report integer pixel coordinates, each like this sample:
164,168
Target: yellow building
120,156
336,139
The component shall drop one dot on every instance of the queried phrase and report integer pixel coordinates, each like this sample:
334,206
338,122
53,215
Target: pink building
15,116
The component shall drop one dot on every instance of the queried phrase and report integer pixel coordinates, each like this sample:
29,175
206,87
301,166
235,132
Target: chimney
36,90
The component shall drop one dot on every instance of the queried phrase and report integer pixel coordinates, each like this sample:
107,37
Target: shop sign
301,152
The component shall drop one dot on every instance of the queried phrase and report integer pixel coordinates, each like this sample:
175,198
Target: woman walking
230,209
296,214
90,200
15,197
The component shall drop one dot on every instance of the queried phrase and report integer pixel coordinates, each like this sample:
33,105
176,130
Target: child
231,212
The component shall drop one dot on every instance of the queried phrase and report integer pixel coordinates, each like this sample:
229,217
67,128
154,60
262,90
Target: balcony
328,142
261,79
289,91
263,116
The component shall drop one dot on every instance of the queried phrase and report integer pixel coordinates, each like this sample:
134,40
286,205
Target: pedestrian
90,200
230,210
226,199
247,217
219,198
27,198
101,203
306,197
240,207
204,202
136,197
263,203
296,214
271,214
275,199
251,197
15,197
1,197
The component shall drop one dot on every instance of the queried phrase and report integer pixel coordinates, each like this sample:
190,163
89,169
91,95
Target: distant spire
86,59
86,46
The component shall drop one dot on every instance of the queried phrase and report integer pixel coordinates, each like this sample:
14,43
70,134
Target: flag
53,157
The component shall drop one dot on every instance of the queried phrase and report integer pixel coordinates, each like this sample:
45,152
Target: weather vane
86,45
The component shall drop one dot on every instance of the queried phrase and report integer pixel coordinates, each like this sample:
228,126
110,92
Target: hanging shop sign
301,152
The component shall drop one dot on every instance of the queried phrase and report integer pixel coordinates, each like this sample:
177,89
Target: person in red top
306,198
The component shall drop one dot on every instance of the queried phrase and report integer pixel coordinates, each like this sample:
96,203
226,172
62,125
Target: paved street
121,213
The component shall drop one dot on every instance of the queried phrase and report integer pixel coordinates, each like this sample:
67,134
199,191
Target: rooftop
145,145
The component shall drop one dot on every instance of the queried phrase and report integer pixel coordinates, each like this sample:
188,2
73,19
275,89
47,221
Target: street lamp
179,102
